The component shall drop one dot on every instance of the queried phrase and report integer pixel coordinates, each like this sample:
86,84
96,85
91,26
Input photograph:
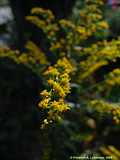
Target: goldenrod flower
45,93
51,71
103,24
58,81
109,108
44,103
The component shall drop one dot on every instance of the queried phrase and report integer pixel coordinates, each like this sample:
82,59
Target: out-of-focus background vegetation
20,134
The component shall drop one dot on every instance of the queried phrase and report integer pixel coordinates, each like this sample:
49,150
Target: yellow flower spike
58,81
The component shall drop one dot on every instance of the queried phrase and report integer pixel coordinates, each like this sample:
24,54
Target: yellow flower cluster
44,19
64,65
36,53
66,24
103,24
45,13
33,56
59,83
111,151
98,55
7,52
91,17
92,67
71,34
82,33
104,49
113,78
109,108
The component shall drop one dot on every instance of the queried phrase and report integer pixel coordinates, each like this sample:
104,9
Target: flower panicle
58,80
